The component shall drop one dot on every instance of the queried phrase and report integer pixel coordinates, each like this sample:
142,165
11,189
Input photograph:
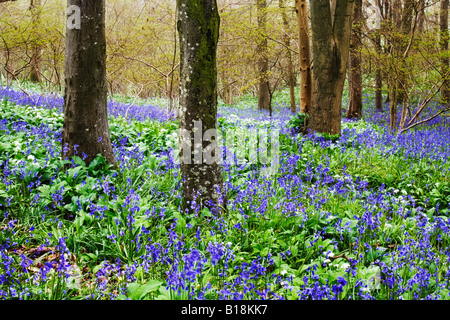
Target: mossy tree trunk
86,129
198,27
331,23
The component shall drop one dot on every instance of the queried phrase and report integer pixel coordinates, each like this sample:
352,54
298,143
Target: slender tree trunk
398,85
445,89
331,29
290,67
86,129
379,70
355,82
304,56
420,16
198,27
378,78
393,99
36,54
174,58
263,61
407,32
393,13
402,19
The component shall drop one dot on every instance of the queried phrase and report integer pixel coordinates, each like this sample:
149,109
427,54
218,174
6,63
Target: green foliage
299,122
291,223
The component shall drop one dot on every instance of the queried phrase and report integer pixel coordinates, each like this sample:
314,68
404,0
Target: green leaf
150,286
264,252
430,213
97,268
164,294
181,222
206,212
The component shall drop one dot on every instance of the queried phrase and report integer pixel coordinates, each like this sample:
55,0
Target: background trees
403,51
151,70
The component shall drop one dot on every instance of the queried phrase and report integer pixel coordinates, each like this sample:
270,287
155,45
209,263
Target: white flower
30,157
345,266
283,272
327,261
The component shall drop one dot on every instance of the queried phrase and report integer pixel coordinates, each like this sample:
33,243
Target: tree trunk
402,20
304,56
393,9
393,101
263,61
198,27
331,28
378,77
445,89
290,67
420,16
36,54
86,129
355,82
402,32
407,31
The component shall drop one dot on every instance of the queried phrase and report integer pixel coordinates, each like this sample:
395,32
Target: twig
423,121
135,98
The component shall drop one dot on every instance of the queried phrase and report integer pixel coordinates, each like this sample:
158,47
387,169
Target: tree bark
290,67
304,56
355,82
331,28
403,31
86,129
263,60
378,48
378,77
420,16
198,27
443,12
36,55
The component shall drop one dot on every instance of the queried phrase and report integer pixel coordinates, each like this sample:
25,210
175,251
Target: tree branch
425,120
